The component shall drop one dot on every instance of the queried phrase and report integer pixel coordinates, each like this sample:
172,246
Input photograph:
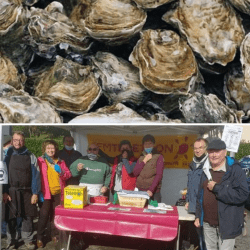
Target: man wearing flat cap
220,203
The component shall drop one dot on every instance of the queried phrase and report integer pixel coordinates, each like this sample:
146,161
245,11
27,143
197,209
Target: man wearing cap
220,203
122,171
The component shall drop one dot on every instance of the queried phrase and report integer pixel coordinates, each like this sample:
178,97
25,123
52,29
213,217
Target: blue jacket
231,193
194,177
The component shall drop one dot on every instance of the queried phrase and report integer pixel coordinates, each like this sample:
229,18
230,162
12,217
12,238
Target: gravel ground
100,242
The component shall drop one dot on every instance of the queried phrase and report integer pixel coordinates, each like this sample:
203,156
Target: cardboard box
75,197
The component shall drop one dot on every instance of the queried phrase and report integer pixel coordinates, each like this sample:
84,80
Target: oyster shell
242,5
150,4
110,21
117,113
16,106
120,79
166,62
29,2
212,28
9,73
199,108
69,86
47,30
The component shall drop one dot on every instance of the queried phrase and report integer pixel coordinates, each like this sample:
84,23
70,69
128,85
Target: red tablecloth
134,223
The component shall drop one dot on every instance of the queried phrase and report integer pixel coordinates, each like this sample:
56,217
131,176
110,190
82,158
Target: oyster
47,30
212,28
29,2
9,73
16,106
69,86
166,62
242,5
109,21
150,4
120,79
199,108
117,113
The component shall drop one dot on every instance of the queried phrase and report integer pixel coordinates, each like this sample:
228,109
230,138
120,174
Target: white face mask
68,147
92,157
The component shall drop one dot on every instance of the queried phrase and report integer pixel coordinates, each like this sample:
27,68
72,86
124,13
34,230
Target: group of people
39,182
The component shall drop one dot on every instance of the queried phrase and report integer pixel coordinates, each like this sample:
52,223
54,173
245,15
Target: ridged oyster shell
29,2
242,5
9,73
119,79
109,21
150,4
16,106
199,108
69,86
165,61
48,29
212,28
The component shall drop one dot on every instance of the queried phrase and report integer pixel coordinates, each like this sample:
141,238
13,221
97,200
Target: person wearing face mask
69,155
149,169
93,172
122,170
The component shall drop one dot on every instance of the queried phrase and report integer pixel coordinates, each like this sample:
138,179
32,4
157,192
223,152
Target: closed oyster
69,86
199,108
47,30
166,62
16,106
117,113
242,5
150,4
120,79
212,28
9,73
29,2
109,21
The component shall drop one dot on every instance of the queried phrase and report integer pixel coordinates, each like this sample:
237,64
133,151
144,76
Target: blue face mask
148,150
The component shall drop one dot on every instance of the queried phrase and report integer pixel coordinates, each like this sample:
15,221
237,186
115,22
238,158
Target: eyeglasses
200,148
16,140
93,149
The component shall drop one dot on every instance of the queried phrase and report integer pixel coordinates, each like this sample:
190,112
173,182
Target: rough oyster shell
9,73
109,21
117,113
166,62
16,106
29,2
242,5
199,108
150,4
120,79
49,29
212,27
69,86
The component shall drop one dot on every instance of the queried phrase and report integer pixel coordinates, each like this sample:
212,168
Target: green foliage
244,150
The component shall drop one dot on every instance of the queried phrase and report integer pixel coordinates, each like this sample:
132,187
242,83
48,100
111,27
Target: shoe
55,239
39,244
11,246
30,246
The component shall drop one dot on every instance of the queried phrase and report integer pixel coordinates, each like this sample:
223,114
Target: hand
197,222
104,189
210,185
186,206
80,166
147,158
125,155
57,168
34,199
150,193
6,198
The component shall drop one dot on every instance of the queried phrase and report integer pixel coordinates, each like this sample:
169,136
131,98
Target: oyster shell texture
119,79
167,64
69,86
110,21
242,5
212,28
199,108
16,106
78,57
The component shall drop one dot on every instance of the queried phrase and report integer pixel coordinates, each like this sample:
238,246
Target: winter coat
63,177
231,193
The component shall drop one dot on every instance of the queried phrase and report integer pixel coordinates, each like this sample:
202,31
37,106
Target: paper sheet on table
161,206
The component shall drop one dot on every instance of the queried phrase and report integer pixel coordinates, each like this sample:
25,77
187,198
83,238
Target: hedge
35,145
244,150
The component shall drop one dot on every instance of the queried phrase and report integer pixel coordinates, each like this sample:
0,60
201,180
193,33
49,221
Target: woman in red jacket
122,171
54,174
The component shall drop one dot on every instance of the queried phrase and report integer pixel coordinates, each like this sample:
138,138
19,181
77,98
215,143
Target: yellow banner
176,150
